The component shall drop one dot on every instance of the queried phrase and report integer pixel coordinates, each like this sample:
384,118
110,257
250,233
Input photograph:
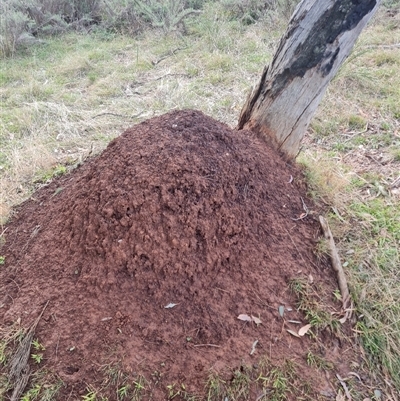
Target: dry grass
79,91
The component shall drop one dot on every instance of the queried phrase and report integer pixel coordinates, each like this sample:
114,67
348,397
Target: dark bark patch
343,16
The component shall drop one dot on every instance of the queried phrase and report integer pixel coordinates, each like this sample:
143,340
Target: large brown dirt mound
179,209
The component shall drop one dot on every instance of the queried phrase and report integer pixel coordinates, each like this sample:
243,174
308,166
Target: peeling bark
320,36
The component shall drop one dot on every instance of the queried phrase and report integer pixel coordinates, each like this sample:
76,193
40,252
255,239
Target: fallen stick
337,266
19,371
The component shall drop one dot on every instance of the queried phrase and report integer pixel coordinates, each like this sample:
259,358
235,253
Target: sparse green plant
214,387
167,15
37,357
240,384
138,388
32,394
357,122
313,306
318,361
91,395
2,260
172,391
37,345
48,175
250,11
298,286
278,380
123,392
322,248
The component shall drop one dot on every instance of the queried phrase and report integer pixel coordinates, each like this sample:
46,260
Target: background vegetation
75,74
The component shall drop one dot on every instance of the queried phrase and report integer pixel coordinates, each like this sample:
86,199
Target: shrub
23,21
13,28
168,15
249,11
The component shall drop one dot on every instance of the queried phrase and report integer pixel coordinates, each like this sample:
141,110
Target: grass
312,301
272,382
365,220
68,97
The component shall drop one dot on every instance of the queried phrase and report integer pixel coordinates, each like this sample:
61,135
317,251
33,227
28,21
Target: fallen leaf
169,306
245,318
281,310
310,278
293,333
256,320
303,330
253,348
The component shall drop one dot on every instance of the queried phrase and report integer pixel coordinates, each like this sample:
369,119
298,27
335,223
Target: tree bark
320,36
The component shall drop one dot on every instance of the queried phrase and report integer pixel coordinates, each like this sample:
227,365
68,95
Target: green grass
375,269
72,94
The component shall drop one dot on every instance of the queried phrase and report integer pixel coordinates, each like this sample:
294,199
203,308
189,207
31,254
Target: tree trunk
320,35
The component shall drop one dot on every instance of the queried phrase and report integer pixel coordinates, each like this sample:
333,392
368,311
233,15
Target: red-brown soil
178,209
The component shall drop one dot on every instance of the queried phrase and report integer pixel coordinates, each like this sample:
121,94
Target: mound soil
148,253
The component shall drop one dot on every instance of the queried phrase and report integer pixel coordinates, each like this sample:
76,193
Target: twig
337,266
167,54
19,371
170,75
396,182
2,233
305,208
118,115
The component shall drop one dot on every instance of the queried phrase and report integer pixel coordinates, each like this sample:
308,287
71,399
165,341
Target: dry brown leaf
293,333
245,318
303,330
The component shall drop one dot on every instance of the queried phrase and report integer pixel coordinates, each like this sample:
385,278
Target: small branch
19,371
337,266
118,115
167,54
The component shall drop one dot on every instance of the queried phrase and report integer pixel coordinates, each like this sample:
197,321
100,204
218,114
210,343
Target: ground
148,253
